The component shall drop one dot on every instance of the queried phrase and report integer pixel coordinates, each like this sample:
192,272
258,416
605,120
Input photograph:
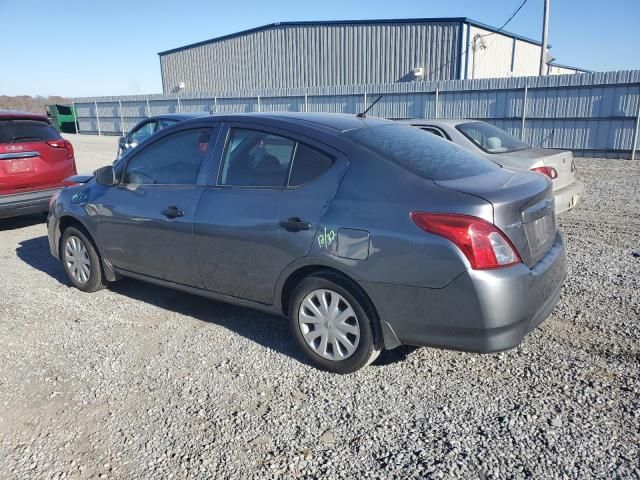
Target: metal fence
596,114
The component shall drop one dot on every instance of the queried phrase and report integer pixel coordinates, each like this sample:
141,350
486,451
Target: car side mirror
122,141
105,176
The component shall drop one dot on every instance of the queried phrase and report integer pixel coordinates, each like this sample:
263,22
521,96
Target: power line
455,57
508,20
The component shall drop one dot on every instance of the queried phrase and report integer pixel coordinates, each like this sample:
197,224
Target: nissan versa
366,233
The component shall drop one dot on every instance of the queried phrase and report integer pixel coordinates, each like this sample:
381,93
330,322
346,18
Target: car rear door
145,222
32,155
251,223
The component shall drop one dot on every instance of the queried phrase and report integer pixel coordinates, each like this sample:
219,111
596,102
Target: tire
81,261
346,340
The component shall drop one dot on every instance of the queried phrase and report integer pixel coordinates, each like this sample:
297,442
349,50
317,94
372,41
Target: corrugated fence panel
589,112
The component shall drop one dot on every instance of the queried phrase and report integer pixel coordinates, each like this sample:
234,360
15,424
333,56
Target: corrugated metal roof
466,20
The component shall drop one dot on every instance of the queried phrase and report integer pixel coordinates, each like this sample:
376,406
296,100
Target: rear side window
433,131
256,159
308,164
172,160
425,155
16,131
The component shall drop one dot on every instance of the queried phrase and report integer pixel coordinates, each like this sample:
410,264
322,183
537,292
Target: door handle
294,224
172,212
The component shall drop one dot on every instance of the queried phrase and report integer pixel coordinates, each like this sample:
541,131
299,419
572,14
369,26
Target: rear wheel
332,323
81,261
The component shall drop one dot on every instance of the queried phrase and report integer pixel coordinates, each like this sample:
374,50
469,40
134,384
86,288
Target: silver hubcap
329,325
76,257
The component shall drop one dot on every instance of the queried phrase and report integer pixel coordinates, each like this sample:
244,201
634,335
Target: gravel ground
141,381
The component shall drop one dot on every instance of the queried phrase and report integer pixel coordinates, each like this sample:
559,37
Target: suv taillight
484,245
61,143
548,171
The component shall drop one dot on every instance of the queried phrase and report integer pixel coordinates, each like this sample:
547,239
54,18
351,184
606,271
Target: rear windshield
420,152
491,139
16,131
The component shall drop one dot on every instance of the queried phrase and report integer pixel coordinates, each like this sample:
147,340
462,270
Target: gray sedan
367,234
493,143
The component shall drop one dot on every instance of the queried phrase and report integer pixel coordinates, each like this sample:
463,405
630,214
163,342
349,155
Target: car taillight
548,171
61,143
484,245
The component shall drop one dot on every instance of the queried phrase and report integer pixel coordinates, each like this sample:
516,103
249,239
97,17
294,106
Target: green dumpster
62,117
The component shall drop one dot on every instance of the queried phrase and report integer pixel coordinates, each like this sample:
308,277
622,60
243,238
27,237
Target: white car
493,143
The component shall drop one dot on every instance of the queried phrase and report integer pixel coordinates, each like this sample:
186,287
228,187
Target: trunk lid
523,208
528,158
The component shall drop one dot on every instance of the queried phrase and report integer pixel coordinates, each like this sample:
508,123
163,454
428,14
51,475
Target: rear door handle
294,224
172,212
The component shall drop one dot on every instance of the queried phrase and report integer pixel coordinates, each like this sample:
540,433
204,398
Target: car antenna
364,114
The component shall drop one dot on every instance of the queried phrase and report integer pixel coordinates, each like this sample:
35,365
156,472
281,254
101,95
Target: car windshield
420,152
490,138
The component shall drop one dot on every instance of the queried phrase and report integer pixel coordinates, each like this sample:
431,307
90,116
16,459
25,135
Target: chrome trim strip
8,156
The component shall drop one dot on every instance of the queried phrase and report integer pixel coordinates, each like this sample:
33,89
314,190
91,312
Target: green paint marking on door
325,239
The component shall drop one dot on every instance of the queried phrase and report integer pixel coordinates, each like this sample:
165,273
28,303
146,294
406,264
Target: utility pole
545,33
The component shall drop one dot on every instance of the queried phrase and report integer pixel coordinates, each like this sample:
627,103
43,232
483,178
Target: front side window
256,159
142,133
491,139
164,123
172,160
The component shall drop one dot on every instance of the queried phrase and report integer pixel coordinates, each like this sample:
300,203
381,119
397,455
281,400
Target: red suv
34,161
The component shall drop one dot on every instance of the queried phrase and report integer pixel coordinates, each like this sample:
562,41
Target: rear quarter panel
376,198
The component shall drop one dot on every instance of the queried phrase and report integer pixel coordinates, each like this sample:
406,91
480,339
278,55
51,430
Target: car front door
252,223
145,222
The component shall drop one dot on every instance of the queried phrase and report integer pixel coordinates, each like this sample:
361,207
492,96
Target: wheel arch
66,221
383,334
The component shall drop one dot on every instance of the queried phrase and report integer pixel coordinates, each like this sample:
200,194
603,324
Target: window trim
443,134
204,164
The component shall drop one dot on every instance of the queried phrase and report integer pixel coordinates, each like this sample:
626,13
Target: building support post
365,102
121,119
97,118
545,34
635,134
179,108
435,115
75,117
258,103
524,111
306,103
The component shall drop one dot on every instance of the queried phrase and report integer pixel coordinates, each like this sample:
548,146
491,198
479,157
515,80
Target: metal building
360,52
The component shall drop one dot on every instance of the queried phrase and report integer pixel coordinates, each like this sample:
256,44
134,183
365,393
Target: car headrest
493,143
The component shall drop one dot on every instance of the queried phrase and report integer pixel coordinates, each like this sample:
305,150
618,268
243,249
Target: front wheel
81,261
332,323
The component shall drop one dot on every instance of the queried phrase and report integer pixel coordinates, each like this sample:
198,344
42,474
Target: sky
78,48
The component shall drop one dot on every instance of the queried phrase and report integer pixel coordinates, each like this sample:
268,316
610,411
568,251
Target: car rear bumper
480,311
25,203
568,196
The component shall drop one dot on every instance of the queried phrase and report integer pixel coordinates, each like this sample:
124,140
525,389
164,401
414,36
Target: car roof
336,122
17,114
179,116
442,122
